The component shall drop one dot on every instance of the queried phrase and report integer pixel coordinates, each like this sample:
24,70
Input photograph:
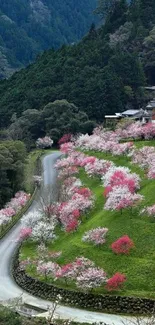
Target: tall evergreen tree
147,12
118,15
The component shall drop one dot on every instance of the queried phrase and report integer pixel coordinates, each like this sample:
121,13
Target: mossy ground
139,266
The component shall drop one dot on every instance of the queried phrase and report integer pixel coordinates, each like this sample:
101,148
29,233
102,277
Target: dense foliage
102,74
28,27
12,160
53,120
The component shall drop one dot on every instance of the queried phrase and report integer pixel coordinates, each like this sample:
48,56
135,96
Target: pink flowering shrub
120,198
78,201
67,172
122,245
150,211
25,233
98,167
8,212
72,226
91,278
84,191
145,158
104,141
44,143
115,282
13,207
67,147
23,264
65,272
116,176
47,268
138,131
72,270
65,138
82,271
82,263
95,236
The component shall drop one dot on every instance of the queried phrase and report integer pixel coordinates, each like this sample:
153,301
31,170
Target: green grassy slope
139,266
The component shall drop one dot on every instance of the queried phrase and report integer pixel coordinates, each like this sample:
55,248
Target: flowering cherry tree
72,225
44,254
13,207
122,245
65,272
120,176
42,229
98,167
25,233
67,172
31,219
145,158
65,138
43,143
42,232
81,264
67,147
68,213
47,268
95,236
91,278
150,211
120,198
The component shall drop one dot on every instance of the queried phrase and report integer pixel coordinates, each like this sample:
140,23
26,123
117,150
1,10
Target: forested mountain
28,27
106,72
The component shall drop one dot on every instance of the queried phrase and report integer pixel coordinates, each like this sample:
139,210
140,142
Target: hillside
121,217
28,27
102,74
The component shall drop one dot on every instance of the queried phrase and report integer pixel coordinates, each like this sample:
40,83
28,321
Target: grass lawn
139,266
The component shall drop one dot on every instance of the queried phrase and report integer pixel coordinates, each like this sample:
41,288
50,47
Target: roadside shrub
115,282
123,245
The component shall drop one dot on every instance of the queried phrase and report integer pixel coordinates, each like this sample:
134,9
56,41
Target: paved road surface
9,289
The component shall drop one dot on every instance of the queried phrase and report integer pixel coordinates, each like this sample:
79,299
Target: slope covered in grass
139,266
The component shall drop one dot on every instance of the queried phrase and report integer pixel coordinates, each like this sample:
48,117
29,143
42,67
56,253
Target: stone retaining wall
106,303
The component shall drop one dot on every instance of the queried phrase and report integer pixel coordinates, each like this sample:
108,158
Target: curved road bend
9,289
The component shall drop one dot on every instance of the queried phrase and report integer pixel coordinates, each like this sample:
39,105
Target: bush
116,282
65,138
123,245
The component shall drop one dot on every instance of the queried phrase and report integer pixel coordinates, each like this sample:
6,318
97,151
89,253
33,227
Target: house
151,109
134,114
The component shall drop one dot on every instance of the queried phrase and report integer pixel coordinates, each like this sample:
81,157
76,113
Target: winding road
9,289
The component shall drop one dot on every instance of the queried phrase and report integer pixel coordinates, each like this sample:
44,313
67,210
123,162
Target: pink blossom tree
43,143
91,278
96,236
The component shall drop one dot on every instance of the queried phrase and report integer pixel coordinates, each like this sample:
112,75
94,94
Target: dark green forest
28,27
104,73
55,119
12,162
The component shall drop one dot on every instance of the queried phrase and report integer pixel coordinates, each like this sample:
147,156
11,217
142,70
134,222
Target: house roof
151,105
111,116
131,112
150,88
